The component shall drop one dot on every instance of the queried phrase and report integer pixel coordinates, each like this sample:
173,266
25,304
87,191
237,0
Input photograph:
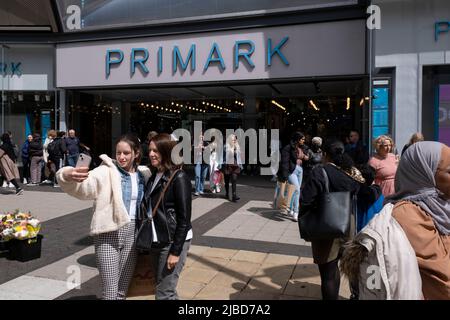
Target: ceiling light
361,102
312,104
278,105
348,103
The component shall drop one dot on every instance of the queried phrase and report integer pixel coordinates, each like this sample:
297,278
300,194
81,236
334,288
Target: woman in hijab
422,208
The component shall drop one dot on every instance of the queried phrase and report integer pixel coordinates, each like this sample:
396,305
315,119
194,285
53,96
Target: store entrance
329,107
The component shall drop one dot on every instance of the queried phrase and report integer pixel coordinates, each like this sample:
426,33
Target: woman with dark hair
172,220
117,186
342,176
8,167
292,158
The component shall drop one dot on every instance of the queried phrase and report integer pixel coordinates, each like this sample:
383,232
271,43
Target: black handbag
144,237
330,219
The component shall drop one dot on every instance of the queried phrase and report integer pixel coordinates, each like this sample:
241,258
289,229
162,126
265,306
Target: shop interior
323,108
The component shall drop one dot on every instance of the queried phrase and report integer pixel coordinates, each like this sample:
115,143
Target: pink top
385,172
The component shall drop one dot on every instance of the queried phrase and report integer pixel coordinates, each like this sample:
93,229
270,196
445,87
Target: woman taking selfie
172,219
117,186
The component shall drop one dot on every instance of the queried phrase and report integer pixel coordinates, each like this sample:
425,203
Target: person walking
73,148
172,220
356,149
385,164
201,168
232,166
8,167
214,172
56,152
47,172
292,159
416,137
314,157
35,150
26,160
117,186
342,176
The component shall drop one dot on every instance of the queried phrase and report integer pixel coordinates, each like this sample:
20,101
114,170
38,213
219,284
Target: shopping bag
218,178
143,283
279,202
284,196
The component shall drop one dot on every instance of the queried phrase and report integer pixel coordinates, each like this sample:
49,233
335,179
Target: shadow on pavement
272,214
88,260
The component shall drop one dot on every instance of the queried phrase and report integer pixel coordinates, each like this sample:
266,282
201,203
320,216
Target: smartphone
83,161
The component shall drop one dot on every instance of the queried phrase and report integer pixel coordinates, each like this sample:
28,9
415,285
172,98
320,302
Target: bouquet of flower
18,225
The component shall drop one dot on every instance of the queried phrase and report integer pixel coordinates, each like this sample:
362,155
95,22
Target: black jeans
233,178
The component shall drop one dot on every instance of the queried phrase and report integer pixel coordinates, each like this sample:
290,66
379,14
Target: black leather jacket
173,217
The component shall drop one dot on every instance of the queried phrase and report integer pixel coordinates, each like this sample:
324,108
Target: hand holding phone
83,161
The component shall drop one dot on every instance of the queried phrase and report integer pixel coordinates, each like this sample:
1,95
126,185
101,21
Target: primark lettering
12,68
242,51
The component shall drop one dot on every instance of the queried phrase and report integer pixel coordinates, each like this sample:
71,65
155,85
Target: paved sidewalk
243,250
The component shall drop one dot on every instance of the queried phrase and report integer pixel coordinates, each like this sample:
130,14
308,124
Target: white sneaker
295,216
5,184
25,181
218,190
10,185
213,191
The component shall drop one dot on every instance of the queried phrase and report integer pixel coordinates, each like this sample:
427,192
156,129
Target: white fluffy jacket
104,186
383,260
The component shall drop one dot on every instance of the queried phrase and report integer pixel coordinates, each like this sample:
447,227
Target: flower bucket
4,245
26,249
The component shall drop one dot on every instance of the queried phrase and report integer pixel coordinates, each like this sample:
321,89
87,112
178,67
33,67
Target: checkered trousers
115,255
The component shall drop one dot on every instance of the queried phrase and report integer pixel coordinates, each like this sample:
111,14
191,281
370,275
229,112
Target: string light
312,104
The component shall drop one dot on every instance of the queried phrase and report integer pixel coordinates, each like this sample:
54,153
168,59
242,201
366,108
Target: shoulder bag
144,237
330,219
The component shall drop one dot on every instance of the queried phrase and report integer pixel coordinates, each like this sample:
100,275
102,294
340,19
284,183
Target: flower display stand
26,249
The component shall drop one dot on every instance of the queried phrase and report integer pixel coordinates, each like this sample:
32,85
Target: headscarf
415,182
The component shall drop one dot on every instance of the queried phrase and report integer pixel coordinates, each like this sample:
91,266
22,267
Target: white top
134,195
158,176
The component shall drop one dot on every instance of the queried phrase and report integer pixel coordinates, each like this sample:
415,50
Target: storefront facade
28,90
138,66
412,57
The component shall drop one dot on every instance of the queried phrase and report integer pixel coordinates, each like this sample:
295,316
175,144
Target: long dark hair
133,142
165,145
334,149
296,136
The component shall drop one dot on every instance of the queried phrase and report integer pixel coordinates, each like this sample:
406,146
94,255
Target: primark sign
307,50
242,49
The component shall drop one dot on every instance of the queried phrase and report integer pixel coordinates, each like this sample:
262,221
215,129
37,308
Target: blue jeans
295,178
72,159
201,171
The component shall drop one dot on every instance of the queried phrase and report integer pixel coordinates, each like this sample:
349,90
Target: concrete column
406,105
62,125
